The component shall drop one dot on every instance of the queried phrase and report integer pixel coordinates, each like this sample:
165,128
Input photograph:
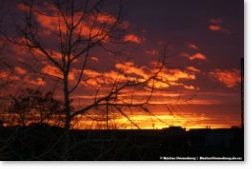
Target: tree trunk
67,118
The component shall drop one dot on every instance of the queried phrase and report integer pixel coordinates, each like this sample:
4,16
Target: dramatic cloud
38,82
106,18
132,38
4,74
130,68
128,71
54,72
193,69
215,28
190,87
198,56
174,75
53,22
20,70
230,78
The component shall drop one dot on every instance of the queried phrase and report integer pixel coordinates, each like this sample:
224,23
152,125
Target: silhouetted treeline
43,142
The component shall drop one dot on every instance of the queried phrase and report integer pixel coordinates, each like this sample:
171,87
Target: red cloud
193,46
91,28
94,58
38,82
132,38
128,71
130,68
216,25
193,69
176,74
190,87
4,74
230,78
20,70
52,71
105,18
215,28
198,56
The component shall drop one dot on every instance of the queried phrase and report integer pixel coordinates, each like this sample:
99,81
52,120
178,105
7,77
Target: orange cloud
190,87
230,78
4,74
193,69
20,70
198,56
173,77
54,71
128,71
94,58
165,78
215,28
50,24
176,74
132,38
92,82
216,25
193,46
91,73
38,82
94,32
95,78
191,102
51,70
90,28
130,68
28,79
105,18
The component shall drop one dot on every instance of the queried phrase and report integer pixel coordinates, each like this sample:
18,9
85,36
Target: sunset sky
201,82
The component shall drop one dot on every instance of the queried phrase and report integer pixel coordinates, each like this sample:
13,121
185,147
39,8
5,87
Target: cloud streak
20,70
229,78
198,56
192,46
216,26
193,69
132,38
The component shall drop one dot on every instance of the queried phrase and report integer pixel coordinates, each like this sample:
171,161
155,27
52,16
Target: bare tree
78,27
30,102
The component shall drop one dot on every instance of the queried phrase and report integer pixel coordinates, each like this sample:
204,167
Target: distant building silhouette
242,92
174,130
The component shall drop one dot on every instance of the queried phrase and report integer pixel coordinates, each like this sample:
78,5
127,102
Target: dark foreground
48,143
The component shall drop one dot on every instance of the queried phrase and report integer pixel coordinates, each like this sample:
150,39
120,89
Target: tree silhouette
29,102
76,28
